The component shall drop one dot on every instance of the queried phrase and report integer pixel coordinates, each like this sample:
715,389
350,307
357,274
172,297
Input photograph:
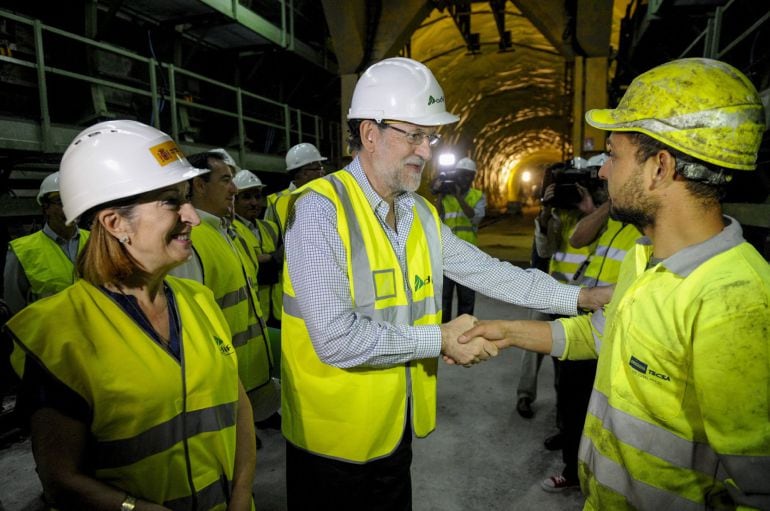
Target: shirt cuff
558,339
428,339
565,301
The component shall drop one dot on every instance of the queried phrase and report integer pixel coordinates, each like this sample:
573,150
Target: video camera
446,182
566,176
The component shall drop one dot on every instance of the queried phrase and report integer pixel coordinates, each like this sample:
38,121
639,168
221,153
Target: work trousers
466,299
576,381
319,483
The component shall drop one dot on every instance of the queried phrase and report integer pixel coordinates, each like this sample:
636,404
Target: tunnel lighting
446,159
526,176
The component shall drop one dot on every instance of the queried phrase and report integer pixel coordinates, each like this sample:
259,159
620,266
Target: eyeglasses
416,137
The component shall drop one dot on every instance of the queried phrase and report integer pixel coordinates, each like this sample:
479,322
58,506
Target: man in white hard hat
361,333
227,264
249,204
461,208
303,164
42,263
678,415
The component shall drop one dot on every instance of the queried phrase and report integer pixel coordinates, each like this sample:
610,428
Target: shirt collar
217,222
51,234
690,258
402,201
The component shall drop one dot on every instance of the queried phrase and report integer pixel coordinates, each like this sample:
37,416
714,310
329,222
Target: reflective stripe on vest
47,268
455,218
166,432
223,273
567,260
359,414
612,247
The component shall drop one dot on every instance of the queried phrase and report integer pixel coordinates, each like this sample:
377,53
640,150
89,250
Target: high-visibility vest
568,261
278,208
604,264
358,414
46,266
652,438
229,272
163,429
455,218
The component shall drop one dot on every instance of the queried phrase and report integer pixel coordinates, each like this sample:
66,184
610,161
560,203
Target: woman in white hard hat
131,382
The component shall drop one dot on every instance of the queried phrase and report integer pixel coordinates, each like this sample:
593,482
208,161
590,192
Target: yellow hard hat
702,107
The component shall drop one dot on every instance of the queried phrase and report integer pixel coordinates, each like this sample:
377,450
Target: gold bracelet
128,504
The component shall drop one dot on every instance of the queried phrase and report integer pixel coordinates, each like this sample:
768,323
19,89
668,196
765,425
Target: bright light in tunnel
526,176
446,159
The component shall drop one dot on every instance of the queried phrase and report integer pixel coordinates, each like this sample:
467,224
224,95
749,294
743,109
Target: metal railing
250,120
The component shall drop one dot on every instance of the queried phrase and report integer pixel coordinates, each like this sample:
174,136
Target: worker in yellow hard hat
678,418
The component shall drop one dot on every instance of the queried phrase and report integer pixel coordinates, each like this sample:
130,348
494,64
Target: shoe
524,407
558,483
272,422
554,442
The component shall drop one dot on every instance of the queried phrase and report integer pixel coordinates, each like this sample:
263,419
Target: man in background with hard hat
42,263
226,264
303,164
249,204
361,332
678,417
461,208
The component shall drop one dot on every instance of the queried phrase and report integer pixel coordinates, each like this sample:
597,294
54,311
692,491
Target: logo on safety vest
642,367
225,348
432,100
418,282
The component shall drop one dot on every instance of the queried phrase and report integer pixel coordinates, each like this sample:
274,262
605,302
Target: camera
445,183
566,177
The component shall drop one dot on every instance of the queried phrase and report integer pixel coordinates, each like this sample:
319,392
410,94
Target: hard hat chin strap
702,174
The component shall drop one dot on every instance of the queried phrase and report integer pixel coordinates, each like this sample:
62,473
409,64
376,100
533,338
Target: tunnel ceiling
512,106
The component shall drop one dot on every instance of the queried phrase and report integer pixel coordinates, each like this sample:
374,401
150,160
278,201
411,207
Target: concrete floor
482,456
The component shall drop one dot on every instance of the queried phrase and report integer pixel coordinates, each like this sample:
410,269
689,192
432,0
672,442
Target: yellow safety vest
455,218
47,267
228,270
163,430
359,414
645,444
604,264
568,260
278,208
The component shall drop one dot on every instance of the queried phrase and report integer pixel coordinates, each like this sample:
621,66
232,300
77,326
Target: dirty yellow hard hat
702,107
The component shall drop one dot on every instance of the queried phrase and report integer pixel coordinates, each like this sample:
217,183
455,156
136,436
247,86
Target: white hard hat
117,159
246,179
229,160
49,185
400,89
466,164
598,160
302,154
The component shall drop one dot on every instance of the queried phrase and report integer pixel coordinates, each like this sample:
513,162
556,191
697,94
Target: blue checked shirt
344,338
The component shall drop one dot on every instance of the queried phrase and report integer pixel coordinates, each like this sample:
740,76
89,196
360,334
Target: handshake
461,349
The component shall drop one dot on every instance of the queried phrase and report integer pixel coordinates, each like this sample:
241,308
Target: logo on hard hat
432,100
166,153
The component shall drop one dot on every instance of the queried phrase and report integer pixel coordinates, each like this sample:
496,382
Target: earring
123,239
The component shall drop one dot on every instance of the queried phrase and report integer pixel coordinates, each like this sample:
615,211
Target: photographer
461,208
566,199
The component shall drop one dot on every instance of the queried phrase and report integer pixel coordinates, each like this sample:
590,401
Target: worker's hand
594,298
586,204
498,332
472,351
